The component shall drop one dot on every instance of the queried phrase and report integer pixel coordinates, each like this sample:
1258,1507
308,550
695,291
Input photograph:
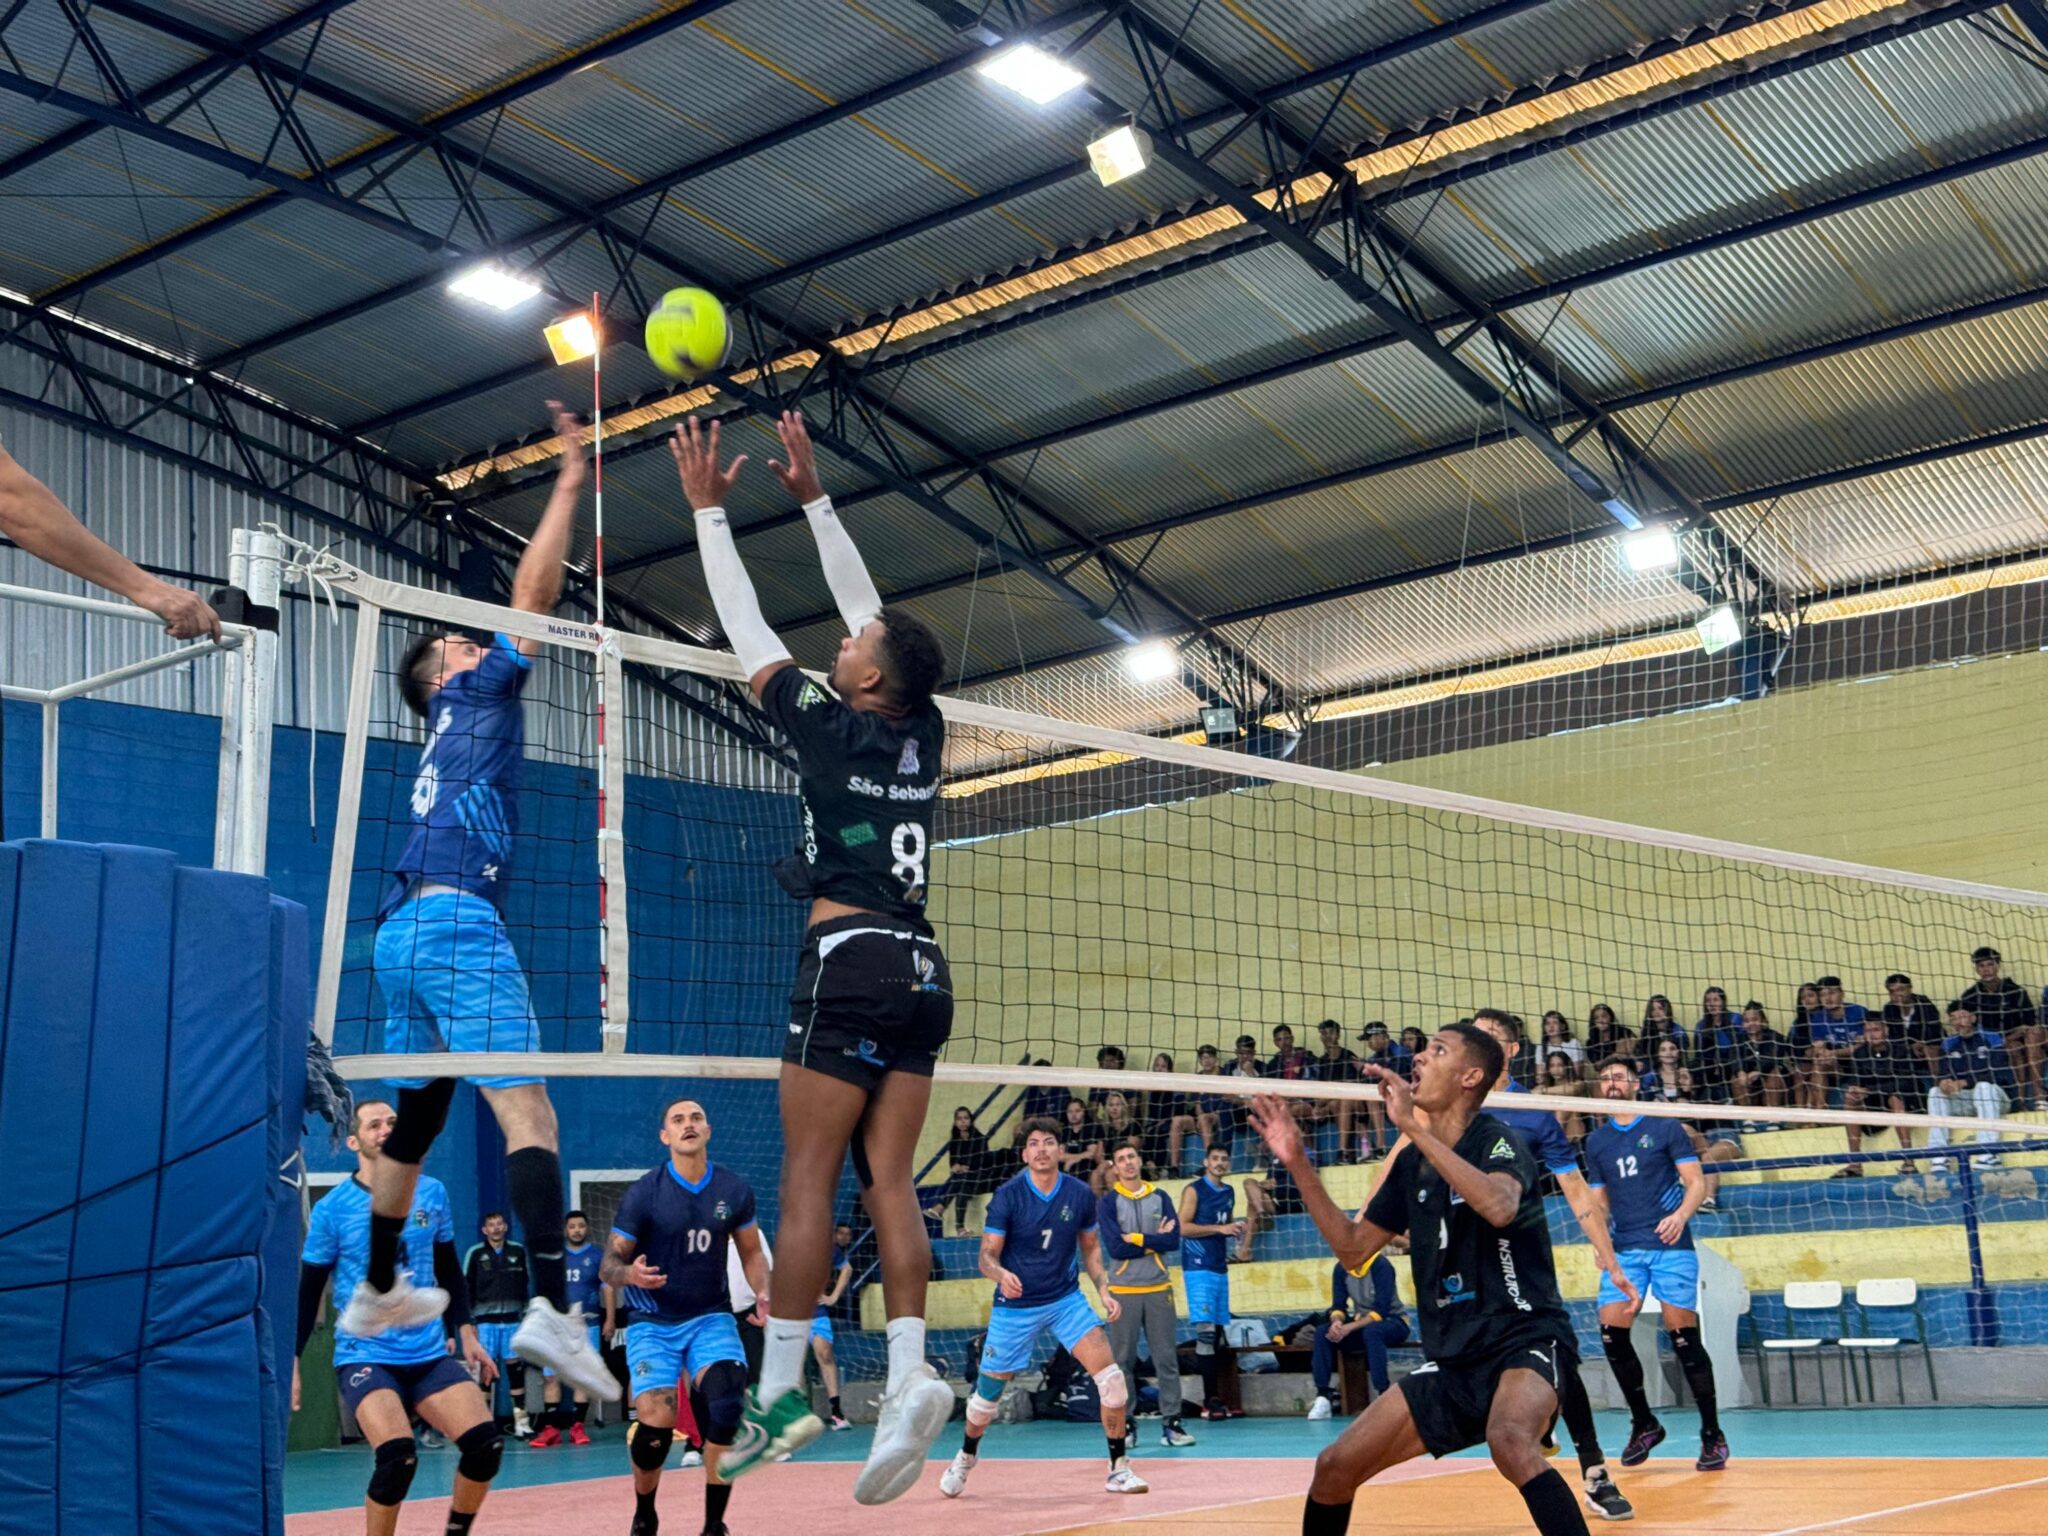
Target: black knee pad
397,1460
720,1402
482,1448
649,1446
421,1114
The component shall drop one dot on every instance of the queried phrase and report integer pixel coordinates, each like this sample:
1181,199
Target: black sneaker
1713,1453
1642,1440
1605,1500
646,1525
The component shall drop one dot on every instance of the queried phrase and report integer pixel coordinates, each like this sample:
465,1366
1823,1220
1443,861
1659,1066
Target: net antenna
612,1000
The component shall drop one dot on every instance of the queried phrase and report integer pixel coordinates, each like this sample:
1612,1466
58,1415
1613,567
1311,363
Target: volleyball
687,333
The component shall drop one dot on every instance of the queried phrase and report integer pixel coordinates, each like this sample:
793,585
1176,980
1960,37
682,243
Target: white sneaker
692,1458
522,1427
953,1481
1984,1160
1319,1409
405,1305
1940,1166
561,1344
911,1418
1124,1479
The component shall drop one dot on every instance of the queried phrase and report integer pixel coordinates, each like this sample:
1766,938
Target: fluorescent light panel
1721,628
1032,73
494,286
1152,662
1652,550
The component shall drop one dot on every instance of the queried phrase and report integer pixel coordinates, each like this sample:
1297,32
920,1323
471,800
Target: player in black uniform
1494,1329
873,1001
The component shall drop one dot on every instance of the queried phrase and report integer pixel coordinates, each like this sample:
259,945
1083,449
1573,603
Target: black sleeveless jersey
869,785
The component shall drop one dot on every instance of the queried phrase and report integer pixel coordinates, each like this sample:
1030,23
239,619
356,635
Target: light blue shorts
596,1347
1208,1295
452,982
1671,1274
496,1339
821,1327
663,1355
1013,1331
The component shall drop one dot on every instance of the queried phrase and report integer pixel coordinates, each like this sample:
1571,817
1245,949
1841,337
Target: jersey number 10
698,1240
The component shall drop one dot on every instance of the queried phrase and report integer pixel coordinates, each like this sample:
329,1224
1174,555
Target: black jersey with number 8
869,785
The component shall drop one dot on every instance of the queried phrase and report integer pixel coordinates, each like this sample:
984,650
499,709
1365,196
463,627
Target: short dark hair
1331,1024
1205,1050
1499,1016
1898,978
1492,1059
1217,1146
1243,1040
493,1216
355,1119
681,1098
1039,1123
1278,1029
913,661
1985,952
1959,1006
1103,1053
568,1216
1627,1062
1829,981
415,683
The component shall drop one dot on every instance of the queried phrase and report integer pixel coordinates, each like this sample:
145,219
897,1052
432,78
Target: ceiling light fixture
494,286
1032,73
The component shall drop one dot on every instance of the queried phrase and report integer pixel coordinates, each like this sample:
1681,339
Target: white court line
1902,1509
1440,1470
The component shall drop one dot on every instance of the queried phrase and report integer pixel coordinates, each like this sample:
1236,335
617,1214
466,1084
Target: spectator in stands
1914,1021
1366,1318
974,1170
1662,1080
1380,1051
1338,1064
1214,1116
1038,1104
1245,1063
1713,1044
1882,1073
1607,1036
1081,1143
1557,1037
2003,1008
1109,1058
1564,1077
1973,1079
1289,1061
1169,1119
1413,1039
1760,1069
1660,1023
1524,1066
495,1273
1832,1032
1119,1127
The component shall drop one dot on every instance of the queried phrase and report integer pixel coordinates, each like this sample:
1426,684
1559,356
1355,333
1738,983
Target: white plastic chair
1889,1296
1808,1301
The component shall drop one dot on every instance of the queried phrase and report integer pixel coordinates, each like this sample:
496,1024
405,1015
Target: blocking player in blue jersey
402,1371
1207,1219
1039,1230
581,1260
667,1255
1545,1138
445,964
1645,1172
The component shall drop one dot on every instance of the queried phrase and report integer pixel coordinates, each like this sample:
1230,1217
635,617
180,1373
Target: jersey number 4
906,845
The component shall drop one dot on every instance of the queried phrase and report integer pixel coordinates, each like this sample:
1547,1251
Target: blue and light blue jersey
1636,1162
1214,1205
465,794
1041,1236
339,1236
579,1272
1540,1133
684,1230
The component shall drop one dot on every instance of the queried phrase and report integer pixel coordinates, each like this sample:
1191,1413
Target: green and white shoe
774,1433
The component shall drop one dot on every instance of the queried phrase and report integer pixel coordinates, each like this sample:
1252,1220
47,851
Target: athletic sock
716,1497
782,1356
835,1407
1627,1366
582,1412
386,1233
459,1523
1699,1376
1553,1505
1116,1447
643,1503
533,1178
972,1444
1325,1519
906,1348
1577,1412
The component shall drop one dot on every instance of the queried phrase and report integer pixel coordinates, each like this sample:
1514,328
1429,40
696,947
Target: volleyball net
1127,916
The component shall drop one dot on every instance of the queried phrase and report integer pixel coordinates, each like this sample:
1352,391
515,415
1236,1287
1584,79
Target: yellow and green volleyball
687,333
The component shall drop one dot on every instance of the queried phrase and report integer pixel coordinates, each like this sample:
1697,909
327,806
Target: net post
48,796
1981,1305
348,807
614,973
248,707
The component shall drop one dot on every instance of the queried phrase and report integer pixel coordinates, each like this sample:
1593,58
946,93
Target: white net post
248,709
348,808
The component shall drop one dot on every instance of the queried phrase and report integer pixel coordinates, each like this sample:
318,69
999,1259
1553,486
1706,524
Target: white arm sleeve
852,588
732,594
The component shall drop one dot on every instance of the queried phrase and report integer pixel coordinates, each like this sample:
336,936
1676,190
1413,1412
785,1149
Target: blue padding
152,1065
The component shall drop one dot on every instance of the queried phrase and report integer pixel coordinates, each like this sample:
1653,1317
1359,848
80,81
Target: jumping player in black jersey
1494,1329
873,1000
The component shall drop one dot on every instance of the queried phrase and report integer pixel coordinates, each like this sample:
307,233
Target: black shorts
1451,1403
872,996
412,1383
1286,1195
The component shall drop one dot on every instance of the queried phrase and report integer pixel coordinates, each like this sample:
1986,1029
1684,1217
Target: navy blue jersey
465,796
1978,1058
1540,1133
1636,1162
338,1236
684,1230
1214,1205
579,1269
1041,1236
1821,1029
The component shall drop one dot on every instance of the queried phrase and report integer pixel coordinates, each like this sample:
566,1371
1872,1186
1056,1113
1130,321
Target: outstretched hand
570,431
799,475
695,450
1398,1095
1274,1122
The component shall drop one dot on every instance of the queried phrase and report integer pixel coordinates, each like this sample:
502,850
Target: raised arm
537,583
1492,1197
33,517
760,652
1353,1239
853,590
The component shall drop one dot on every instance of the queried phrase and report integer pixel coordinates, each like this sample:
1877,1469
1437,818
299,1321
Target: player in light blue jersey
1039,1231
1645,1171
1208,1219
402,1371
581,1260
667,1256
445,964
824,1346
